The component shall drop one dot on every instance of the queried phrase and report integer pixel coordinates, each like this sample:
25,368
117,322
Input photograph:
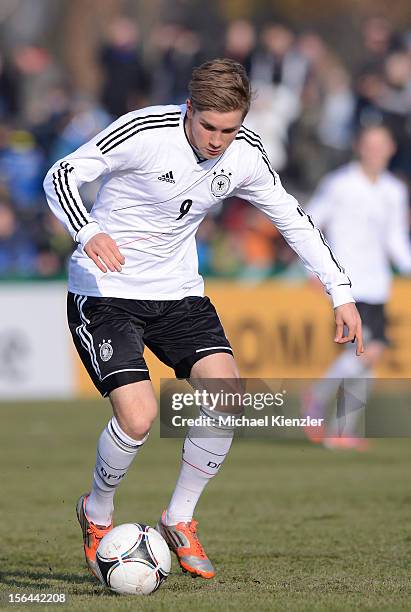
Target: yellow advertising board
281,330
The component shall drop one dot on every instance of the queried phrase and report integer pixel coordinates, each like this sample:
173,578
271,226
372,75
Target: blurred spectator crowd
307,107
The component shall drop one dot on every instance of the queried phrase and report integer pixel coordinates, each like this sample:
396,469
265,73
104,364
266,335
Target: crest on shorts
106,350
220,183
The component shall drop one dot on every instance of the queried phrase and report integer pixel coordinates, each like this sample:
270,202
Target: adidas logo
168,177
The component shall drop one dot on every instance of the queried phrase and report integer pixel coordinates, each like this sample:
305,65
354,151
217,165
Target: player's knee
137,420
138,425
135,407
139,430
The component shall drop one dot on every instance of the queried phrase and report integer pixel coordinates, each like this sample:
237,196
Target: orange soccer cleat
92,536
312,409
182,539
347,443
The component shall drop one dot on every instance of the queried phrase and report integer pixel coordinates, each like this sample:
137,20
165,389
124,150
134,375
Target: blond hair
220,85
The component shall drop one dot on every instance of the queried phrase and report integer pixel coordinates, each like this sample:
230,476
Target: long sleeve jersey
155,191
367,225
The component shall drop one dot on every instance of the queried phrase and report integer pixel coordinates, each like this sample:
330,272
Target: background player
133,280
363,210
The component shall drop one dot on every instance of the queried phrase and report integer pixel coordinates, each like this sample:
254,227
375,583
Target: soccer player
133,280
363,210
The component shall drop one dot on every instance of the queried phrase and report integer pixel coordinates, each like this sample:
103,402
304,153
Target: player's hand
105,253
347,316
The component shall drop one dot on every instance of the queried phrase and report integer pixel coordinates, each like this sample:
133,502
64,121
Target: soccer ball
133,559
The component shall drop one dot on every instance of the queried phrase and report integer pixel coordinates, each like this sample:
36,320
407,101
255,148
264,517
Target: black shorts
110,335
373,321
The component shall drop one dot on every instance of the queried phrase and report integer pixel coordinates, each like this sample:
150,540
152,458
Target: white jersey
367,226
154,194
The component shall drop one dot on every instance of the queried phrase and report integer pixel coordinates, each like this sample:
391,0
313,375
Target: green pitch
288,526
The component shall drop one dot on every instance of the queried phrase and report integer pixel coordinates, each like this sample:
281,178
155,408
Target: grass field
288,526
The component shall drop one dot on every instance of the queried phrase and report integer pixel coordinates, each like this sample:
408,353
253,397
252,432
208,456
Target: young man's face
211,132
375,149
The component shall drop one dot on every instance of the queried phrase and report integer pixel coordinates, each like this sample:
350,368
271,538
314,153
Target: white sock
201,460
348,419
346,366
115,453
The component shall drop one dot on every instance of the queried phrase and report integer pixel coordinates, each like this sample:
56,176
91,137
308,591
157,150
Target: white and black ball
133,559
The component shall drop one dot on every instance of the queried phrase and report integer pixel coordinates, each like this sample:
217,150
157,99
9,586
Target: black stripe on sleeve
311,221
136,120
75,204
163,124
304,214
252,135
63,201
62,205
323,240
257,142
254,138
341,269
263,154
